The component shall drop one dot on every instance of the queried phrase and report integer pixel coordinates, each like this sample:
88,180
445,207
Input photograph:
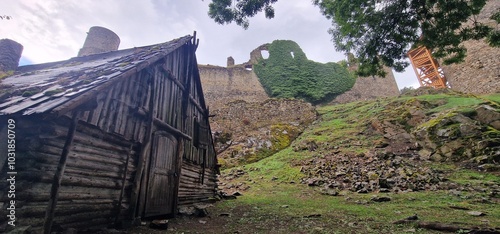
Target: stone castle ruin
222,85
248,125
480,73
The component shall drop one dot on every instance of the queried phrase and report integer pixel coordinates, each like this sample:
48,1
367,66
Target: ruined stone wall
367,88
222,85
249,131
480,73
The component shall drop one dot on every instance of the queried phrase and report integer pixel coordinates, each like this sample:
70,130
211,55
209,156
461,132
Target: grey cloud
57,31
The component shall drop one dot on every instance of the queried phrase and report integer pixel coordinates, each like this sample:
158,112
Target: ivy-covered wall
287,73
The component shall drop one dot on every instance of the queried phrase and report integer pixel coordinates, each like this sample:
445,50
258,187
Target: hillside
365,167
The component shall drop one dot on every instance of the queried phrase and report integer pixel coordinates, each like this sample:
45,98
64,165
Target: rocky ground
364,167
397,148
245,132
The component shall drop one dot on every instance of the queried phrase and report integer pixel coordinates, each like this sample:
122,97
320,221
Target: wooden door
160,198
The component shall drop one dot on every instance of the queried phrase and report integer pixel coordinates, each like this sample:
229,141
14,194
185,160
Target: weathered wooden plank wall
106,146
91,184
118,108
198,177
193,188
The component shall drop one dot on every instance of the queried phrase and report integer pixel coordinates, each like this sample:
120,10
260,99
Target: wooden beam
173,78
196,104
56,183
164,126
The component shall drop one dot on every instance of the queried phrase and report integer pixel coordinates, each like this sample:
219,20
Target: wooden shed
105,138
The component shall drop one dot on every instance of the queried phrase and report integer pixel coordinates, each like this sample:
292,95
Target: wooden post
134,200
180,153
123,185
56,183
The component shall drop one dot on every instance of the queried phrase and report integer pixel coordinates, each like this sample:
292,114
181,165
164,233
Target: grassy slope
278,203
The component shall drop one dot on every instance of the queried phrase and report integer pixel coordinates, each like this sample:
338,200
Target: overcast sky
54,30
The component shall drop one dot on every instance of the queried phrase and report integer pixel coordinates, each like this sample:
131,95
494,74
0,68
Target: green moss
88,81
29,93
6,74
52,92
432,123
491,133
287,73
123,64
341,125
282,135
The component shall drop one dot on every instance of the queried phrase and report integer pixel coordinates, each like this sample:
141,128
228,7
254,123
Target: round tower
10,53
230,61
99,40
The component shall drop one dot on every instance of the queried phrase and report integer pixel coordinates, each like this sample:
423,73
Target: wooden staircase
426,68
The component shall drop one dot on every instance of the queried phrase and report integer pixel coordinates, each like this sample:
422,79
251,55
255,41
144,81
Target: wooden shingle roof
54,87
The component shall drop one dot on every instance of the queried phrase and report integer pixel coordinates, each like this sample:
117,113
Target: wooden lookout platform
426,68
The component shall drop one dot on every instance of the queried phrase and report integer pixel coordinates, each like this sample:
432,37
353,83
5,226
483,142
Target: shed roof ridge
77,77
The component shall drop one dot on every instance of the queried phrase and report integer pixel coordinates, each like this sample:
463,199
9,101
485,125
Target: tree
380,32
5,17
223,11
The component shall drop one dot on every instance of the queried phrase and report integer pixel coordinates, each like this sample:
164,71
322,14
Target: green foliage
287,73
494,37
381,32
224,11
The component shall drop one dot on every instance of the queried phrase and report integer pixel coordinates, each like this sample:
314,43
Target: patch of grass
278,203
493,98
277,166
458,102
470,177
289,208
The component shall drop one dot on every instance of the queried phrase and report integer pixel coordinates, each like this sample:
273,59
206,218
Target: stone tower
99,40
10,53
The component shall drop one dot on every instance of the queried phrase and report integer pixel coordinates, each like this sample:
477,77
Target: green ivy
287,73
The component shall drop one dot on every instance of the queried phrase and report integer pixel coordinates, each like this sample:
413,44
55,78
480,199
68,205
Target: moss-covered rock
453,136
248,132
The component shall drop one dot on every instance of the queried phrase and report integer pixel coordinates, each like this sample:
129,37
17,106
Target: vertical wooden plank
156,96
113,108
128,124
122,191
134,201
85,116
171,98
122,106
163,95
180,153
56,183
104,110
101,99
